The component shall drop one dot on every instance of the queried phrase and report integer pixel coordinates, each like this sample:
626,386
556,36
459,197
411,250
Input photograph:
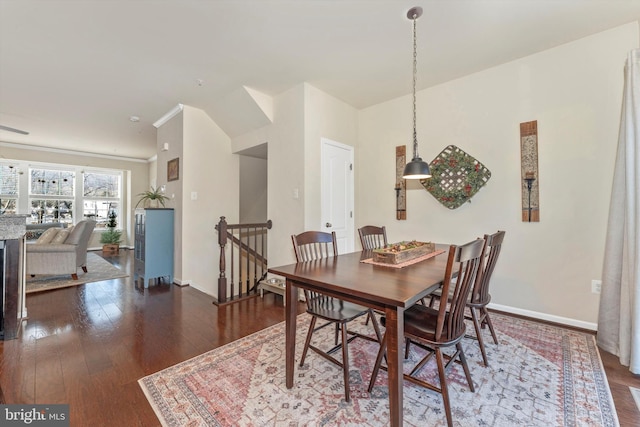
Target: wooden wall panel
529,167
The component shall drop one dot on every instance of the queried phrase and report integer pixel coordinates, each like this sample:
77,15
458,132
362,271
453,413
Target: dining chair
479,296
434,329
315,245
373,237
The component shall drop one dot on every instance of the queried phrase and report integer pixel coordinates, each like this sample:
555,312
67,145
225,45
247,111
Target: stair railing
246,245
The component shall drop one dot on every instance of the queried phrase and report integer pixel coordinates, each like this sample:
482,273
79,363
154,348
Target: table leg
290,330
395,354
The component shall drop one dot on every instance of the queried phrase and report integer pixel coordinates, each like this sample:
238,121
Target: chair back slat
311,246
373,237
480,293
463,264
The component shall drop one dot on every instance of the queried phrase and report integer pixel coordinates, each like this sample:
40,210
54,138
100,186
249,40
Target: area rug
539,375
97,270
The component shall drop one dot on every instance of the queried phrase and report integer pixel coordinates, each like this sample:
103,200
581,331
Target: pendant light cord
415,72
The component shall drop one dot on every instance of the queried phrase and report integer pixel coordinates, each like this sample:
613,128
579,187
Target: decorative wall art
401,188
529,166
173,169
456,177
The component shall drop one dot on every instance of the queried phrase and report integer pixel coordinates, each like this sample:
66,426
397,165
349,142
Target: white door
337,193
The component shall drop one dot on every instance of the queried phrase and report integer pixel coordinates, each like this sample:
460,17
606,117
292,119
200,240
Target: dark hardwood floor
88,346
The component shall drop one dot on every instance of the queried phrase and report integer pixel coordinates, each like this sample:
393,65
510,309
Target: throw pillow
61,236
33,234
47,236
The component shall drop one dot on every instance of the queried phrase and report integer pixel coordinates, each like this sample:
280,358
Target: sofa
60,251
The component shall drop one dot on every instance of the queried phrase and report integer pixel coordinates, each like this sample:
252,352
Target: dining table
384,288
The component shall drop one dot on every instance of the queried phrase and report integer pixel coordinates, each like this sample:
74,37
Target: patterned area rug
539,375
97,269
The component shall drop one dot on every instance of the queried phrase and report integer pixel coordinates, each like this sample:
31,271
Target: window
51,195
59,193
8,189
101,196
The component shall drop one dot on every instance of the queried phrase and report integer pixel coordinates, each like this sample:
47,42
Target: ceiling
72,73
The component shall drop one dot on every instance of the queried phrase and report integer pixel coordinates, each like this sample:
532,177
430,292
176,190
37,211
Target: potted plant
151,198
111,238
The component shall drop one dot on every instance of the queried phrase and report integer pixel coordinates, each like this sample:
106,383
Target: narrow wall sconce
529,178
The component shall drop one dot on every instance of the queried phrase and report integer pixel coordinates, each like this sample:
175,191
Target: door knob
329,225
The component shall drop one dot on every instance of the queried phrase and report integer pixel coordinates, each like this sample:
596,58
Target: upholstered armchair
60,251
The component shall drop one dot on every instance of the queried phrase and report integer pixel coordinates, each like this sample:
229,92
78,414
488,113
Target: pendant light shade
416,168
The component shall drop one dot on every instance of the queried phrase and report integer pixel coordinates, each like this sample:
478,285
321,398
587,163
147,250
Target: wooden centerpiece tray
397,253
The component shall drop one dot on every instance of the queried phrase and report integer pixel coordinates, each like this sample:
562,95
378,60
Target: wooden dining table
388,289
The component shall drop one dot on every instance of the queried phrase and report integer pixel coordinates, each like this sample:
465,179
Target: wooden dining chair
434,329
479,297
315,245
373,237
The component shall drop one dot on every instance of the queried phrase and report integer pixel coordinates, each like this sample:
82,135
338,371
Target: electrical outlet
596,286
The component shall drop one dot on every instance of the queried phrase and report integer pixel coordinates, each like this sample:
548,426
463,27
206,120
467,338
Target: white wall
172,133
302,116
574,92
324,117
153,172
209,169
285,173
253,190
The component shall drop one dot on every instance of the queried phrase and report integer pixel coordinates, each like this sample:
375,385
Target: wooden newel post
222,241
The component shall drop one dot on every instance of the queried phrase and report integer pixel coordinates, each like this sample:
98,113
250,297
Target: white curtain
619,316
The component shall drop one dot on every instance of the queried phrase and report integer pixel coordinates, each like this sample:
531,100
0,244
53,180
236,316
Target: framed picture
173,169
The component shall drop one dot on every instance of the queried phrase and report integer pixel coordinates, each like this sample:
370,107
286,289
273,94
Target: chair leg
84,268
487,320
431,301
444,389
463,360
312,325
336,334
371,315
376,367
345,362
476,325
74,276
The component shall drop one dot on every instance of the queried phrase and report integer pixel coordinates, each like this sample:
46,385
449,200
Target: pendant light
416,168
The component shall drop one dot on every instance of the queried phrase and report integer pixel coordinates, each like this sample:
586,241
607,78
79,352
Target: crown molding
170,115
70,152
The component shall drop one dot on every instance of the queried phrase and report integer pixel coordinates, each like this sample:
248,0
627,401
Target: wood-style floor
87,346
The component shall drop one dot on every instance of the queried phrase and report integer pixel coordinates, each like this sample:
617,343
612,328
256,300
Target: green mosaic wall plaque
456,177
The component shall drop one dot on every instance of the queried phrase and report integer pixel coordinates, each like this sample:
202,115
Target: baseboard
180,282
544,316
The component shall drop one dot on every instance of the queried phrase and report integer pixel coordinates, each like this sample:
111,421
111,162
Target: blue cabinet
153,239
